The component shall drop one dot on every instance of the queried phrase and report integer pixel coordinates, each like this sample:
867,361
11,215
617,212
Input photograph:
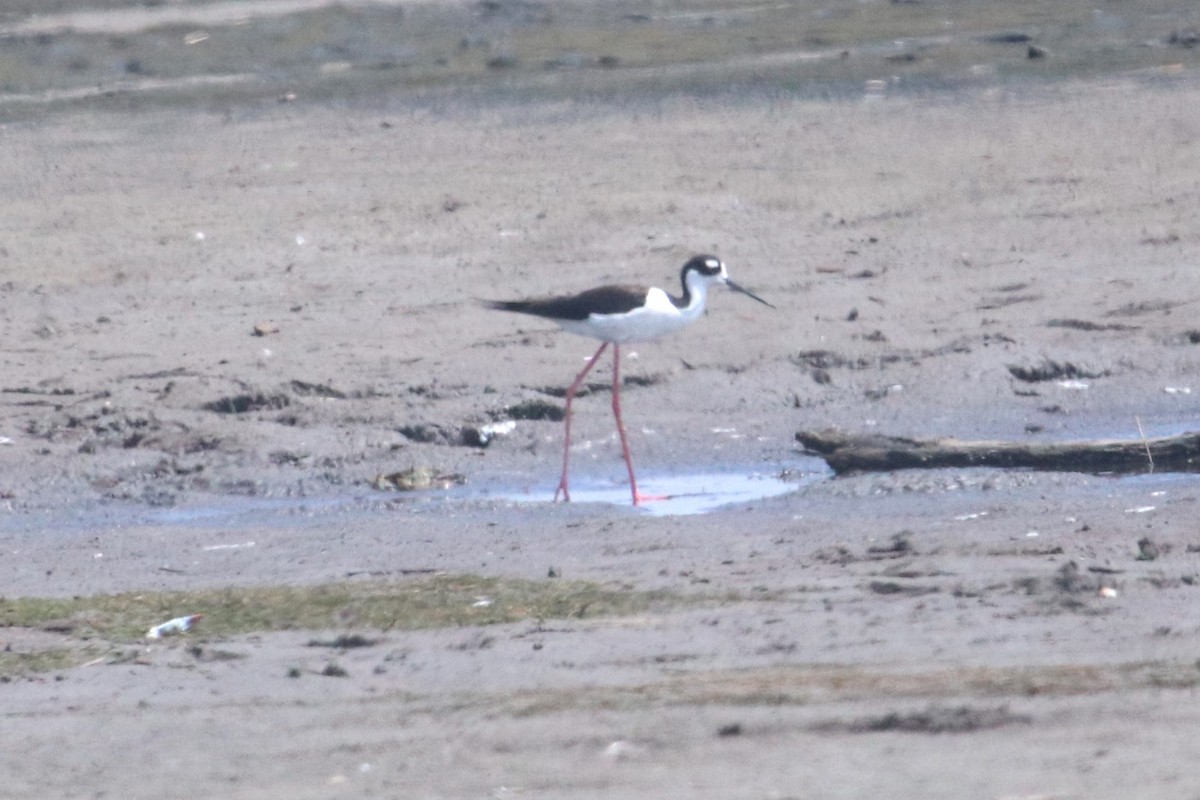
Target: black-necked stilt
619,315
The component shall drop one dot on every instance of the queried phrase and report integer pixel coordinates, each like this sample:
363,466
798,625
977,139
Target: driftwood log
872,453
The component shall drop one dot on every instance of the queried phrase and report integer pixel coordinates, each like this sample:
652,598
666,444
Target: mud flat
240,261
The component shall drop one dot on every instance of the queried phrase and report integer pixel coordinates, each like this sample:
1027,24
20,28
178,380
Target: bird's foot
639,498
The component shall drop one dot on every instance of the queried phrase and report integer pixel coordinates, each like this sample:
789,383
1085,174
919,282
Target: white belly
657,318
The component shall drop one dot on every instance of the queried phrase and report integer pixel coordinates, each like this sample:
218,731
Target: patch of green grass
440,601
40,660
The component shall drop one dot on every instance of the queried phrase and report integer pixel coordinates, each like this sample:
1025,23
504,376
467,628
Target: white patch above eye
712,263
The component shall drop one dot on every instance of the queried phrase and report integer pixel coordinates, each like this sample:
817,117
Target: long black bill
747,292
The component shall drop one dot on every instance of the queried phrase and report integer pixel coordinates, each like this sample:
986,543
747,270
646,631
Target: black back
601,300
615,299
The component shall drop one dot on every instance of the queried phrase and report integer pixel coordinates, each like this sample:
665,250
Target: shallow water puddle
697,493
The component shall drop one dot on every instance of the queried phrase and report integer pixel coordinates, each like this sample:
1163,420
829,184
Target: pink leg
616,407
571,390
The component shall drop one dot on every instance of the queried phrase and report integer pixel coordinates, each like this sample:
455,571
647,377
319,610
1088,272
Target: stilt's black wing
602,300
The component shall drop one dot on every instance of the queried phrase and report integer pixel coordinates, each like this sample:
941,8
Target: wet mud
242,261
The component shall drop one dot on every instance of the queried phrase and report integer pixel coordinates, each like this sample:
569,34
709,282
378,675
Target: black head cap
703,264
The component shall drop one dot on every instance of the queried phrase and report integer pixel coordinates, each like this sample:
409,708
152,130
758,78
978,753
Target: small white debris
1073,384
1159,493
1107,592
1032,535
5,440
1139,510
621,750
965,517
482,602
173,626
195,37
488,432
301,240
198,236
212,547
1178,389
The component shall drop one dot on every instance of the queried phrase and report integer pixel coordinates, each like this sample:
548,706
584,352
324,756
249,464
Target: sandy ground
921,635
